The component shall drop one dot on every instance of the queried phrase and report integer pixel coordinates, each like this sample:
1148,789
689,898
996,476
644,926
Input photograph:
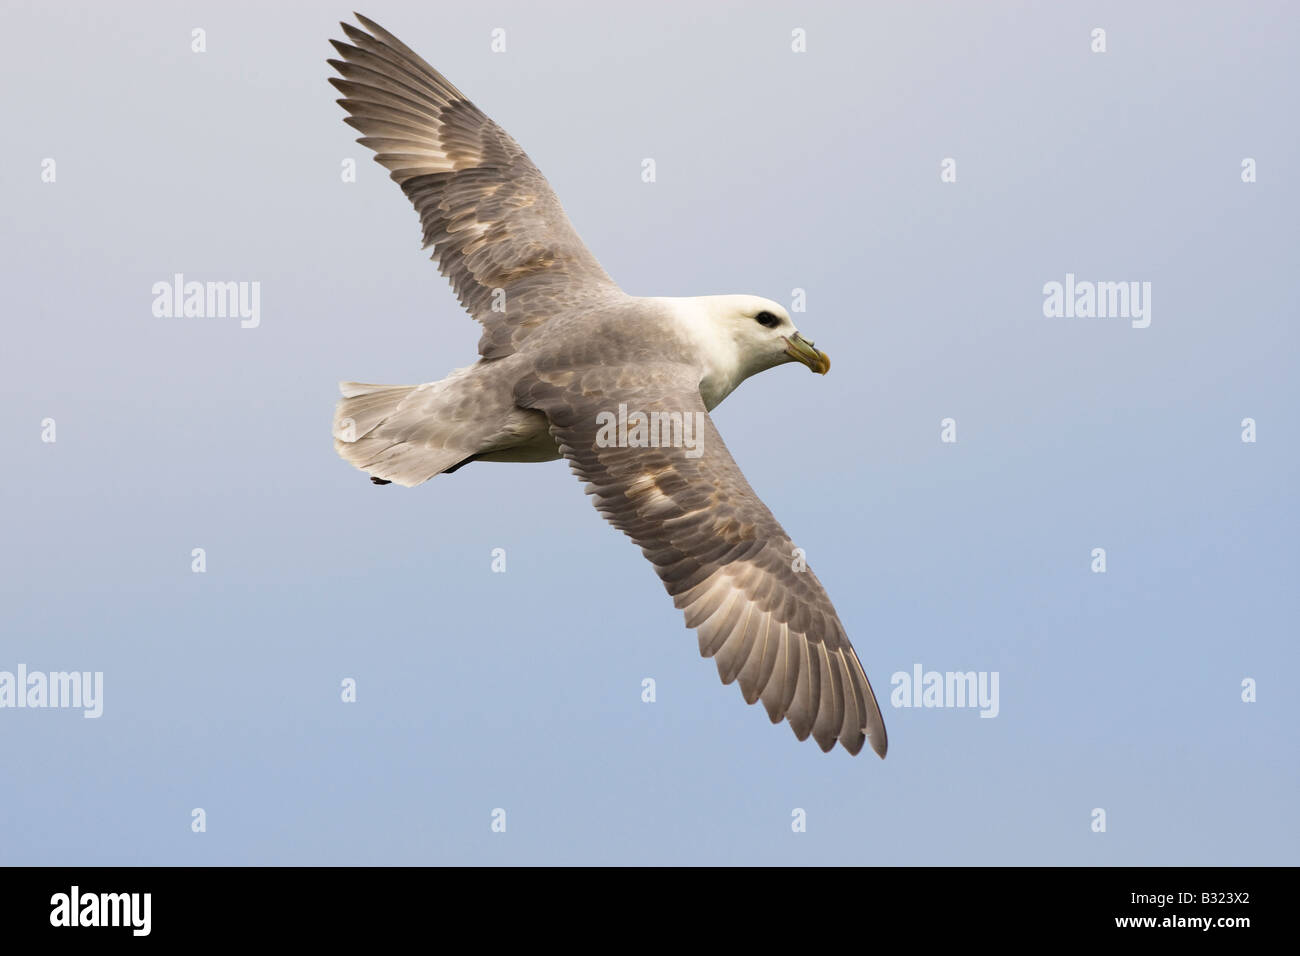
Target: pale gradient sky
522,690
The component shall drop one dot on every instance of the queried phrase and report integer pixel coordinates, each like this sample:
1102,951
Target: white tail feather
379,429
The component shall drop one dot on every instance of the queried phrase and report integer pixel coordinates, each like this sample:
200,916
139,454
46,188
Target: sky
921,173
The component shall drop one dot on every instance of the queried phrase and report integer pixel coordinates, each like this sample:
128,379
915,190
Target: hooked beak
801,350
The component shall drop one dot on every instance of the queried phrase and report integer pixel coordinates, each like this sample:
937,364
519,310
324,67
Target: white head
741,335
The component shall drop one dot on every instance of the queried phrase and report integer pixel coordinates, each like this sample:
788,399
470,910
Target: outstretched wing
497,229
727,563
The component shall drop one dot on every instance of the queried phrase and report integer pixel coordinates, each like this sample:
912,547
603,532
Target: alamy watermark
946,689
60,689
1098,300
179,299
129,910
624,429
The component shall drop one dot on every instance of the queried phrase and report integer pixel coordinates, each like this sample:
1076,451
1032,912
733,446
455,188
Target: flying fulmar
572,367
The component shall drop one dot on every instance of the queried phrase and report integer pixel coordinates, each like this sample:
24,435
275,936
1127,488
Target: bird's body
474,412
568,362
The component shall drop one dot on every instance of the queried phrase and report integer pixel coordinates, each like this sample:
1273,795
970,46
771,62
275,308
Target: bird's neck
710,346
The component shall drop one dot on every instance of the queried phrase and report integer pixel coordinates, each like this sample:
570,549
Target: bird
571,367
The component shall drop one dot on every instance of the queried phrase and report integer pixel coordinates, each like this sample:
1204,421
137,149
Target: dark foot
460,464
380,481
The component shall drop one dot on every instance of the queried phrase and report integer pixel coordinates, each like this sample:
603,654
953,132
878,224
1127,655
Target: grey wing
497,229
726,561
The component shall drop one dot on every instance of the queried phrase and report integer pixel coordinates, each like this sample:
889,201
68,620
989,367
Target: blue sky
775,171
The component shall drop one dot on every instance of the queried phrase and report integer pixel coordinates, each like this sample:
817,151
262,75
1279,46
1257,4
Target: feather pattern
497,229
722,556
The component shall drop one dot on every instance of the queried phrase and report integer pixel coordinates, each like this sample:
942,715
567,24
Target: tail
388,432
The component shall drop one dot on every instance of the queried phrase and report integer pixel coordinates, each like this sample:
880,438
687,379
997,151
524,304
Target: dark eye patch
767,319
